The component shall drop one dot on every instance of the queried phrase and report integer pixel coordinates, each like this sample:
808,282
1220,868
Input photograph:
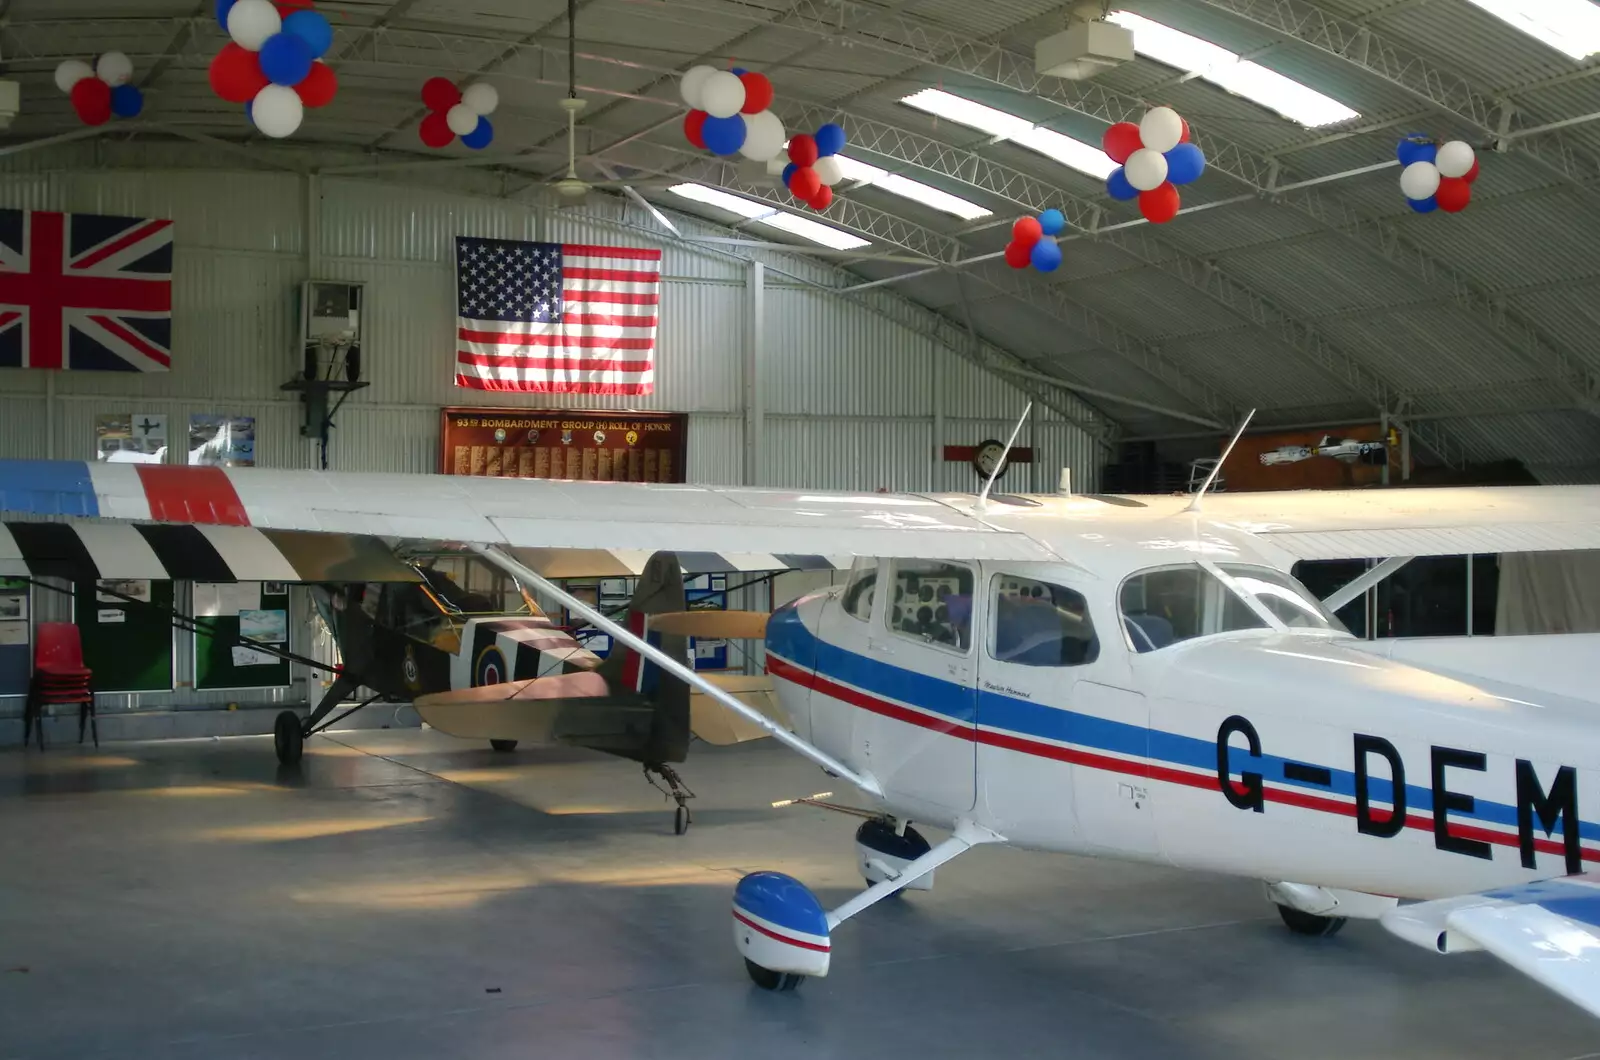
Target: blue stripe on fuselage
788,637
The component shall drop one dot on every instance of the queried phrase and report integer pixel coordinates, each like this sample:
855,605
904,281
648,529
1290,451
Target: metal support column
754,343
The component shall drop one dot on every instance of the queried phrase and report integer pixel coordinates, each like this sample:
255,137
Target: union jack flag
85,292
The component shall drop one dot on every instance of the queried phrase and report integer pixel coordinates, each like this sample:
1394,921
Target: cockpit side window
932,602
858,590
1039,624
1172,604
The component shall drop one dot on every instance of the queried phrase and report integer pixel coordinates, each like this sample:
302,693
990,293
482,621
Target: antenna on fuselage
999,465
1194,505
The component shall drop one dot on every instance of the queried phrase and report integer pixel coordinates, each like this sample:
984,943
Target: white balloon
828,170
70,72
694,81
1161,130
462,119
481,98
763,136
776,165
251,22
1455,159
114,68
1146,169
722,94
277,110
1419,180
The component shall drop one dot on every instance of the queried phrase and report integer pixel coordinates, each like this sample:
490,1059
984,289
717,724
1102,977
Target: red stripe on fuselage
191,495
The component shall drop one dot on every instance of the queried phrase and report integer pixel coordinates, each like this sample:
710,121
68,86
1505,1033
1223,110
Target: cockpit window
858,592
1172,604
1039,624
1289,601
932,602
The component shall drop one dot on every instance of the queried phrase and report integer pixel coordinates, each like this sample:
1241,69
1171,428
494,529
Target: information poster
222,441
128,647
252,612
582,446
15,637
708,654
140,438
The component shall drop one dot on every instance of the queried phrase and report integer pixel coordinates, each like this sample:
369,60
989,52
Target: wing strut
678,669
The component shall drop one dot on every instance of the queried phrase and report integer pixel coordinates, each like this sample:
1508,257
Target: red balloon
1160,205
1185,137
823,198
1471,174
1017,255
803,151
1121,140
91,98
319,87
440,94
236,74
435,130
1027,231
1453,195
693,124
757,93
286,7
803,184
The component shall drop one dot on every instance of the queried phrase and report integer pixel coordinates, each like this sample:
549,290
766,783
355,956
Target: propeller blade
720,625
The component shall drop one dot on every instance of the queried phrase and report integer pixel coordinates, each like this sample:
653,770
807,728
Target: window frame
914,638
1091,654
1252,606
858,570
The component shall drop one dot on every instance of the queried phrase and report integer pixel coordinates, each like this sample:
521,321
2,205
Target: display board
708,654
16,636
554,444
253,611
128,648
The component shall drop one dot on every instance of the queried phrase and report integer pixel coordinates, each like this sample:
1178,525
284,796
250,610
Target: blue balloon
311,27
285,59
1185,163
250,112
1409,150
739,71
788,171
830,139
223,7
1052,221
1428,205
1118,188
480,137
723,136
127,101
1046,255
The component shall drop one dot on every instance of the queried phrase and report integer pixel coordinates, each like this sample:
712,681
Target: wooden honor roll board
560,444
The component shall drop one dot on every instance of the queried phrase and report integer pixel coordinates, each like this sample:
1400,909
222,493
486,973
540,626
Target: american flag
556,318
85,292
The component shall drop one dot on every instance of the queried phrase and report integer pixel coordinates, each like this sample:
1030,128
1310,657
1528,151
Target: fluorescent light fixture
1240,76
1571,27
907,188
771,216
1086,158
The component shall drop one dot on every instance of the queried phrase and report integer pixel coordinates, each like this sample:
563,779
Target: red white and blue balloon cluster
274,63
1437,176
813,168
101,90
454,112
1033,242
1155,156
729,113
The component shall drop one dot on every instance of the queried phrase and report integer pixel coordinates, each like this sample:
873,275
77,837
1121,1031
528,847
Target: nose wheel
673,787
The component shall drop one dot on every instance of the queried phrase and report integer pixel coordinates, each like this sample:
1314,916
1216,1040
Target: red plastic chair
59,676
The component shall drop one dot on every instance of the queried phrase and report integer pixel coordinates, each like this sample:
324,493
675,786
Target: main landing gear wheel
676,790
288,739
503,746
680,820
767,979
1310,924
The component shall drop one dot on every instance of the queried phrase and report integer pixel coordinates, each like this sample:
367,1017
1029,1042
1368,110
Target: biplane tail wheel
503,746
680,821
288,738
767,979
1309,923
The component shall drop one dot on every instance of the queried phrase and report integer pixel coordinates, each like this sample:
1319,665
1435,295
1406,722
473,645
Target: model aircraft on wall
1136,678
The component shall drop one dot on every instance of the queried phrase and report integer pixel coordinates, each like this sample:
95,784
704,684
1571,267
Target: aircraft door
1062,754
915,730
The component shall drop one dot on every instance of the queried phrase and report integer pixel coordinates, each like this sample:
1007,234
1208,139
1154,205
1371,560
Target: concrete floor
408,896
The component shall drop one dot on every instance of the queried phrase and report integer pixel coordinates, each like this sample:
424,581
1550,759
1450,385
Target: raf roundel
490,667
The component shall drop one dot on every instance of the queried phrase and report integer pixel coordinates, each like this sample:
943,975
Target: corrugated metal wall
847,394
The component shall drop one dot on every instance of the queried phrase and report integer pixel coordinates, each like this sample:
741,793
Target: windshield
1289,601
1172,604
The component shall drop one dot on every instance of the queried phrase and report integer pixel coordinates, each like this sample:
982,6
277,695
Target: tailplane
660,590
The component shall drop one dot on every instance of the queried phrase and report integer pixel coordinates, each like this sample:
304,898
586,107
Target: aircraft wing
1358,524
1549,931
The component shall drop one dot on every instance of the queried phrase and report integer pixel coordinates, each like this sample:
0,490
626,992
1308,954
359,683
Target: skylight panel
771,216
1214,63
907,188
1086,158
1571,27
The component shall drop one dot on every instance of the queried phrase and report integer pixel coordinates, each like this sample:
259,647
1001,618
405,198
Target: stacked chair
59,676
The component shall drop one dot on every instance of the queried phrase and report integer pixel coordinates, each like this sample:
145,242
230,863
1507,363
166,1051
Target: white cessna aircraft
1127,677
